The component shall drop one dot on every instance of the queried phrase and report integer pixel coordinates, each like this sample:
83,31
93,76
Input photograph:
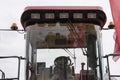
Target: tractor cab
63,42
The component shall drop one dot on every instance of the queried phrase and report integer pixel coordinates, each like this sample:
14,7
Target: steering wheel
63,60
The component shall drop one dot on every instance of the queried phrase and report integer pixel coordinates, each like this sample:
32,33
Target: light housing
63,14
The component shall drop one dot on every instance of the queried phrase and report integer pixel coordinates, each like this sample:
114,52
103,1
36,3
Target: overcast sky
13,43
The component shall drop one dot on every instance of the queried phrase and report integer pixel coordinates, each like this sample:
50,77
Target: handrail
111,55
3,74
11,30
1,57
19,62
107,57
9,79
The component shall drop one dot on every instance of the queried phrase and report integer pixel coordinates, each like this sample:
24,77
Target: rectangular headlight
35,16
49,15
63,15
77,15
91,15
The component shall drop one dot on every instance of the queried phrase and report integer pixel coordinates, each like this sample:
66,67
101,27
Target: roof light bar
53,14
